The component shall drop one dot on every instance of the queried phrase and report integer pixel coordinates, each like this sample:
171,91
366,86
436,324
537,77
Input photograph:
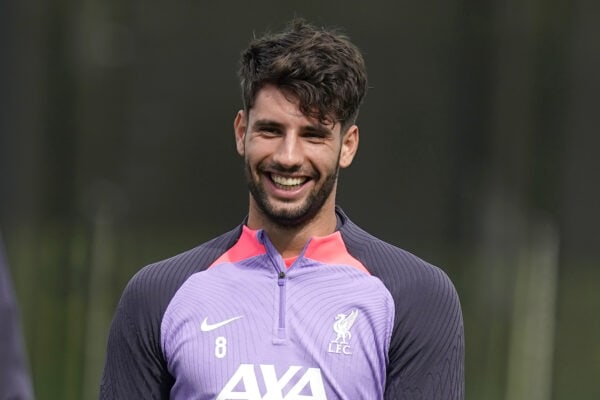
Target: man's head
321,68
302,90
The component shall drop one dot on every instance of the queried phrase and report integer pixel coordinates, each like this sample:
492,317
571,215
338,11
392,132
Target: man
297,302
15,383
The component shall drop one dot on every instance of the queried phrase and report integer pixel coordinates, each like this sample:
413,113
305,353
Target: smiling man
297,302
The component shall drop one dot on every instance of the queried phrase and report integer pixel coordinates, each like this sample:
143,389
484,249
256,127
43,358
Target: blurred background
478,142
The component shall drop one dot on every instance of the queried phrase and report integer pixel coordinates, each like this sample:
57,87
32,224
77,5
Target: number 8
220,347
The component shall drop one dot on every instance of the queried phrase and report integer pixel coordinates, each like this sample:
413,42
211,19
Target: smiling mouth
288,183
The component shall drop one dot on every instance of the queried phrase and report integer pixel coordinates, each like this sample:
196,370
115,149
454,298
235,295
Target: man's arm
135,368
426,355
427,349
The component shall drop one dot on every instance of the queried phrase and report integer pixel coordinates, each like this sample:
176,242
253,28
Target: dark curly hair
319,67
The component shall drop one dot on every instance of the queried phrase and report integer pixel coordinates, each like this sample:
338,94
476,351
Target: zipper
280,268
281,280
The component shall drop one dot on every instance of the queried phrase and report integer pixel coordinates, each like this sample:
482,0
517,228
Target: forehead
281,106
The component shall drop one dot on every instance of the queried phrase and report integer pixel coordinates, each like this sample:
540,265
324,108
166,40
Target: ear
239,126
349,146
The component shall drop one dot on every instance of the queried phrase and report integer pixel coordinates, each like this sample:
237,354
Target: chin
289,218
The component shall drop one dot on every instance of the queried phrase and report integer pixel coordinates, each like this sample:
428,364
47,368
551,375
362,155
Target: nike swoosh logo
206,327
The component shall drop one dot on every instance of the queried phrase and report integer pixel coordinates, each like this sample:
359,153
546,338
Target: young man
297,302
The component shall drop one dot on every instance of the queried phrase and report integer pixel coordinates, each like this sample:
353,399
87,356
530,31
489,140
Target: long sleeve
134,367
427,349
426,356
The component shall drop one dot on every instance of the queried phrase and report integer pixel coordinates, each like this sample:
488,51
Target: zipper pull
281,280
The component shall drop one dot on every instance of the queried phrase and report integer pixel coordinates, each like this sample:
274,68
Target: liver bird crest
342,325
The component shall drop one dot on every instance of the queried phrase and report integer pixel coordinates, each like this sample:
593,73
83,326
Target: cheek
259,149
254,155
327,165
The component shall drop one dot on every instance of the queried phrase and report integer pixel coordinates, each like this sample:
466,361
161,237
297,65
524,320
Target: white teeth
280,180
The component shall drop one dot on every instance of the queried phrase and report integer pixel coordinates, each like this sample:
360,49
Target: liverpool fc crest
342,325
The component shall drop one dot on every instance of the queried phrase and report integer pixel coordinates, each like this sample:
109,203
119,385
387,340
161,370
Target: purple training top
351,318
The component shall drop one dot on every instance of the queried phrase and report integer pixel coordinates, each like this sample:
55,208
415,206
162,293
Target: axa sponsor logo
244,384
342,325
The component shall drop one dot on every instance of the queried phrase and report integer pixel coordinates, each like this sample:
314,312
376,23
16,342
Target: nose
289,152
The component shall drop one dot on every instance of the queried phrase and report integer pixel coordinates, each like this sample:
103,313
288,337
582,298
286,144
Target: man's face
291,160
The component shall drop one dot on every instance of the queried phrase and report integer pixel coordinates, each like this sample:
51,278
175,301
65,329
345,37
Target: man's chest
308,337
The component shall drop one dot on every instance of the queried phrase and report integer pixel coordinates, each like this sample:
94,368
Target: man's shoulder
422,292
378,253
400,270
161,279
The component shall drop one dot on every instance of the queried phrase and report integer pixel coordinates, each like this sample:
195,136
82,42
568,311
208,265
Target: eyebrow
266,123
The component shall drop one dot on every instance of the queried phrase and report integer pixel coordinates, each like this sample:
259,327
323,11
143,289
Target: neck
290,240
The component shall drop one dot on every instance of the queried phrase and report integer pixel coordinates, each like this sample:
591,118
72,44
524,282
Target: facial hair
291,218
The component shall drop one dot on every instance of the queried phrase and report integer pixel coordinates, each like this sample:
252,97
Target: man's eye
269,130
315,135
